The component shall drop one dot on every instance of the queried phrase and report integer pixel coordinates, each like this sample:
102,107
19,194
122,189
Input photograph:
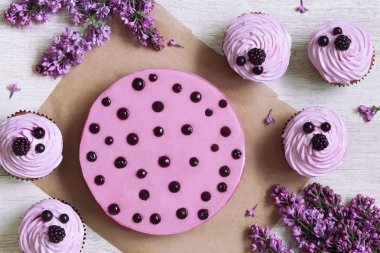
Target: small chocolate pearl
181,213
214,147
308,127
46,216
38,133
106,101
205,196
203,214
40,148
99,180
120,162
132,139
108,140
141,173
196,96
174,187
177,88
223,103
113,209
224,171
94,128
144,195
337,31
137,218
155,218
225,131
138,84
236,154
323,41
193,161
164,161
209,112
123,113
158,106
91,156
326,127
187,129
64,218
153,77
240,61
258,70
222,187
158,131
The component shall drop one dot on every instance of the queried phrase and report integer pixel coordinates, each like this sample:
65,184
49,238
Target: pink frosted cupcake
257,47
51,226
315,141
341,53
30,145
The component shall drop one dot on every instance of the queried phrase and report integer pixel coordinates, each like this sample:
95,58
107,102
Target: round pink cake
162,151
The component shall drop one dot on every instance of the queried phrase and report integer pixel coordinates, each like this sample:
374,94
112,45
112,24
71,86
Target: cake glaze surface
34,164
262,31
341,66
298,147
34,230
169,152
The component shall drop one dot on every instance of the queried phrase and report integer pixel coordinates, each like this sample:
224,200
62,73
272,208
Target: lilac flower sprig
25,12
13,88
301,8
263,241
321,223
269,120
368,112
69,48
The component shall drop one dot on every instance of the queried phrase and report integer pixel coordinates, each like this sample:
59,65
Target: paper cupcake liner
283,129
19,113
354,82
80,216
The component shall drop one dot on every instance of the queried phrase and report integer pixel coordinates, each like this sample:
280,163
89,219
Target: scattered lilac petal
173,43
301,8
368,112
251,212
13,88
269,120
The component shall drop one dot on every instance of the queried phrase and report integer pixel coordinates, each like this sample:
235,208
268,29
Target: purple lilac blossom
68,49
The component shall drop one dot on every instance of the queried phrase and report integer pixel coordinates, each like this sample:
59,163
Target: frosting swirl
34,231
341,67
262,31
33,164
298,147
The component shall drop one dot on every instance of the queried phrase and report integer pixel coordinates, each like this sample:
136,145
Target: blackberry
256,56
319,142
21,146
342,43
56,234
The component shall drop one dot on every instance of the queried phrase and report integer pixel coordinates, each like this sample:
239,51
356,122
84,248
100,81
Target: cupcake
30,145
341,53
315,141
257,47
51,226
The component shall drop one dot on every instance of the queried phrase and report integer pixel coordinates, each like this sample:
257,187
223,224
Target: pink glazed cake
162,151
341,53
315,141
257,47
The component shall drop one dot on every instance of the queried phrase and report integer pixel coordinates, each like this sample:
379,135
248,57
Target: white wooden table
20,49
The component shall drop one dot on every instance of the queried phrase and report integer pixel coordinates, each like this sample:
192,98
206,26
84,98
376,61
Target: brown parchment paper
69,105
